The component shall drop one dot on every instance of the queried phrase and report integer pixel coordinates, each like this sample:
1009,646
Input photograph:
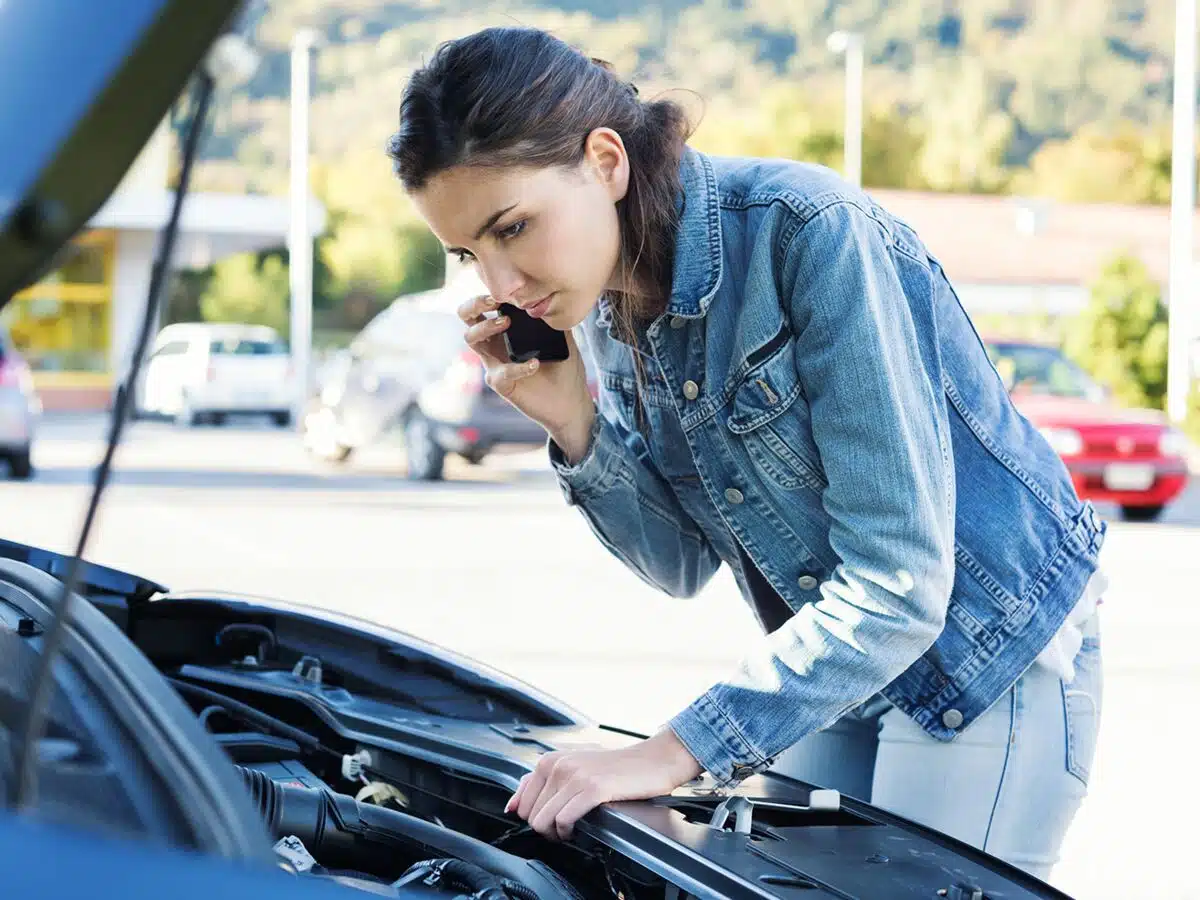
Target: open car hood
451,735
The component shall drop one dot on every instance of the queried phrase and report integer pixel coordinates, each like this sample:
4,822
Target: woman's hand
568,784
555,394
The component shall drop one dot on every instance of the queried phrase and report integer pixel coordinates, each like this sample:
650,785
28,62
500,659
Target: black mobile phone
528,338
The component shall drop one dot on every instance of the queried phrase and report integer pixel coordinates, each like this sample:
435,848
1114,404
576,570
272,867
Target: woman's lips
540,308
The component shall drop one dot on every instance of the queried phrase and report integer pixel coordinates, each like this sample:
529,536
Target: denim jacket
817,412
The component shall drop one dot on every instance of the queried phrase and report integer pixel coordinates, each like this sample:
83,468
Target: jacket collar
697,268
698,256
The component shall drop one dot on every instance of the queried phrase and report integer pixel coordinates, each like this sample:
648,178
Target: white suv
202,372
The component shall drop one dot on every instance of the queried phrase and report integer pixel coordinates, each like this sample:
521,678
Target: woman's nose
504,281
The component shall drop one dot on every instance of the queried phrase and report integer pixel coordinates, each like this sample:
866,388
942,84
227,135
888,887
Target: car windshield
247,347
1043,371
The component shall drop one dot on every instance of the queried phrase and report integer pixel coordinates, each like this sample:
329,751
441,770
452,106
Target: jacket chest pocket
769,415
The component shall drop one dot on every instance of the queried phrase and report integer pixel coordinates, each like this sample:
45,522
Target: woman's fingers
471,311
530,791
504,378
486,329
545,821
483,332
572,811
515,800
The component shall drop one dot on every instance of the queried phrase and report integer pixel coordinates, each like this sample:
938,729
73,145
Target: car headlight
1174,443
1064,441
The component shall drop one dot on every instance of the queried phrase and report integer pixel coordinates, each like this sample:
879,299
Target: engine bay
392,826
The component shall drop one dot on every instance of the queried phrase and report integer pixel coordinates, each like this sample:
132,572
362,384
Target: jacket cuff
597,472
716,742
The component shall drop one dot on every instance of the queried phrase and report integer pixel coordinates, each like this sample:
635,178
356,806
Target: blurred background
318,431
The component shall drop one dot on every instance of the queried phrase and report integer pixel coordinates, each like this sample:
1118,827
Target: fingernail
501,320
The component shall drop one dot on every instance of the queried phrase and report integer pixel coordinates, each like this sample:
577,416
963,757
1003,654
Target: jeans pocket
1081,709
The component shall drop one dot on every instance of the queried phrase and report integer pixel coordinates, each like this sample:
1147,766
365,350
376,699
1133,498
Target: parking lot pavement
493,564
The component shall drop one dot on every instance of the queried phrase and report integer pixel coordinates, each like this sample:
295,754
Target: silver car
19,409
409,373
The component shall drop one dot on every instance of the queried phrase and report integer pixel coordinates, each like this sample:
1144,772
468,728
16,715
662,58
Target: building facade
76,326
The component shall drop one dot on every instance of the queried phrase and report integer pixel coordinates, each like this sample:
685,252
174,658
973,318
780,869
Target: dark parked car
410,372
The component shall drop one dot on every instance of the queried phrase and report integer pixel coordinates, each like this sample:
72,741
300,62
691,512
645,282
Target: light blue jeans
1009,784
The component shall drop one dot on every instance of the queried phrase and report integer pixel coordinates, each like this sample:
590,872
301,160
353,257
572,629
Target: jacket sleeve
633,511
868,359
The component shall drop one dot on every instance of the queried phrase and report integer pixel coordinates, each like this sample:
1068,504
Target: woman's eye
511,231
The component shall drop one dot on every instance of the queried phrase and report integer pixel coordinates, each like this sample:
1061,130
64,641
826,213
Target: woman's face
546,240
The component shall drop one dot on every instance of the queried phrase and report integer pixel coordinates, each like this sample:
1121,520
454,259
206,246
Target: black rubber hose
340,831
457,875
250,714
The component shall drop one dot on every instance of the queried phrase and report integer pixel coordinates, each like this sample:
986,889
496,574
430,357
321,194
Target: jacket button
678,322
952,718
691,390
806,582
734,496
740,772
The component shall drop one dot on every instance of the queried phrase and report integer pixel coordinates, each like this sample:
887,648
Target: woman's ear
604,155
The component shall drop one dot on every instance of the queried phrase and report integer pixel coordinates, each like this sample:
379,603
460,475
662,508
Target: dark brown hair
521,97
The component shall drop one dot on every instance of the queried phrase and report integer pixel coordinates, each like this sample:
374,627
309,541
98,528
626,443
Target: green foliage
1039,326
788,125
1121,337
1095,165
967,134
375,246
248,288
1191,422
1062,98
990,81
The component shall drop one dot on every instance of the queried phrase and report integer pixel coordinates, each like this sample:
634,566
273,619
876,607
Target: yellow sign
61,323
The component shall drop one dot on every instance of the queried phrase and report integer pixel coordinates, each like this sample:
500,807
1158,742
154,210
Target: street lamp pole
851,45
300,254
1180,294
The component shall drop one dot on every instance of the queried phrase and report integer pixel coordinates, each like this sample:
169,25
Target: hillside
1022,71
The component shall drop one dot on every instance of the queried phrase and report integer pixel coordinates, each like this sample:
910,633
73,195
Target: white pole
300,226
1183,204
854,110
851,45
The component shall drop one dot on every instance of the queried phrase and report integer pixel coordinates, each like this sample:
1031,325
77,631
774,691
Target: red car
1130,457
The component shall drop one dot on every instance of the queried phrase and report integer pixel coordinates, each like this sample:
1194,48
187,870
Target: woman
789,387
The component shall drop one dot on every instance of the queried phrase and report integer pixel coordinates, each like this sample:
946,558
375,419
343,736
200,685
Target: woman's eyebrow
491,220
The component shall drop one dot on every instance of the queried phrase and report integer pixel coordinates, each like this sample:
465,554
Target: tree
248,288
1121,337
1095,165
966,136
375,246
786,124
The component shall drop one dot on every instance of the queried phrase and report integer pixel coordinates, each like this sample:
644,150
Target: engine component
292,851
381,793
343,833
461,875
354,764
296,857
288,772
